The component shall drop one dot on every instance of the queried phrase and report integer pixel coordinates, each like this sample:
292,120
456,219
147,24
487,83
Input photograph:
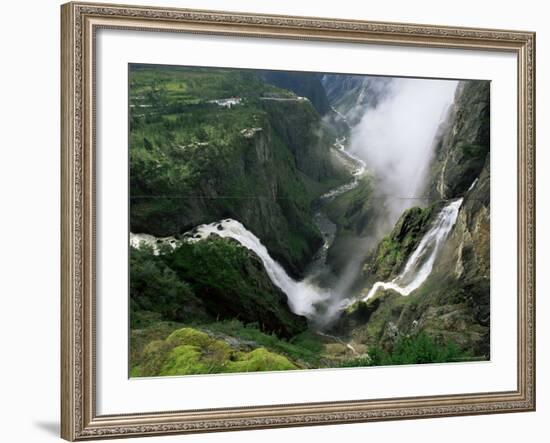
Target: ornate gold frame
79,22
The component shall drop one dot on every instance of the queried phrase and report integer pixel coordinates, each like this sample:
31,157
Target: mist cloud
396,139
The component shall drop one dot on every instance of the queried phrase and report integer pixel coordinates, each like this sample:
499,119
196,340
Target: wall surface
29,185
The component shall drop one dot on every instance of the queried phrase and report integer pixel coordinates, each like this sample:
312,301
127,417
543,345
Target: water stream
302,295
421,262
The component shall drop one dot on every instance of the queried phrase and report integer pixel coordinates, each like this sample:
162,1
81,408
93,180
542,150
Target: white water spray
420,263
155,243
302,295
396,138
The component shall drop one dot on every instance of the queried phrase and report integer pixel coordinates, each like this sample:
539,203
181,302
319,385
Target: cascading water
155,243
420,263
302,295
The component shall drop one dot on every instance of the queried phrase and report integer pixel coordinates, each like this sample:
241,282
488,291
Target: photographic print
290,220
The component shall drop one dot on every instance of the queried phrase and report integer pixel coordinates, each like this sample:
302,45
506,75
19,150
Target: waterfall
420,263
302,295
155,243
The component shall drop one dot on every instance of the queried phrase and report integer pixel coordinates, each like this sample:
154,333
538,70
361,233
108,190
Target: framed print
282,221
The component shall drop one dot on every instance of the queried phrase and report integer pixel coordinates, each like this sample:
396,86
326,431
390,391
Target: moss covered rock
189,351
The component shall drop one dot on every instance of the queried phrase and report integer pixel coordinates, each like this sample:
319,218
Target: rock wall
266,177
453,304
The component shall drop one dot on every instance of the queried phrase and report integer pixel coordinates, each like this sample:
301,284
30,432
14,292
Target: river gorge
348,217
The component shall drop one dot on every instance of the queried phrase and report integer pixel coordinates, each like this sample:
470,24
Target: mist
396,137
396,140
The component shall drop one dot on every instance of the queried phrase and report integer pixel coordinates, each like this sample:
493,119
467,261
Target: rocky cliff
352,95
302,84
260,157
463,142
452,305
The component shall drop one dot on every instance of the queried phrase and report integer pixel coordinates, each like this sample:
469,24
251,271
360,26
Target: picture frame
80,23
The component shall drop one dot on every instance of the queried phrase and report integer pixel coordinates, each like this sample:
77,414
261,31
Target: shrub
417,349
156,288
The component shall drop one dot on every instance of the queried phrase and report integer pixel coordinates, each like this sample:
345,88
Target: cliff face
352,95
214,279
464,142
462,168
262,161
302,84
452,305
391,254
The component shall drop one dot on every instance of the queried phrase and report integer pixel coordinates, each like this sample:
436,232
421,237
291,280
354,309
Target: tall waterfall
420,263
302,295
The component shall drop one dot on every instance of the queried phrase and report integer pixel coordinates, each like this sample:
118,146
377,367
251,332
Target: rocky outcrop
297,125
388,259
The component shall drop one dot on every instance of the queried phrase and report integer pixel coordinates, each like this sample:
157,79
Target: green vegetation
188,85
193,161
156,292
304,348
410,350
190,351
208,144
233,284
151,346
352,210
471,151
303,84
215,278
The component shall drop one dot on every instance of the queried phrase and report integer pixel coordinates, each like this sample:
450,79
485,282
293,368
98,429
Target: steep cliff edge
352,95
452,305
302,84
463,143
213,144
213,279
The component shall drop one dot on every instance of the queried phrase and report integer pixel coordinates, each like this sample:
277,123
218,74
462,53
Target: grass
305,347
